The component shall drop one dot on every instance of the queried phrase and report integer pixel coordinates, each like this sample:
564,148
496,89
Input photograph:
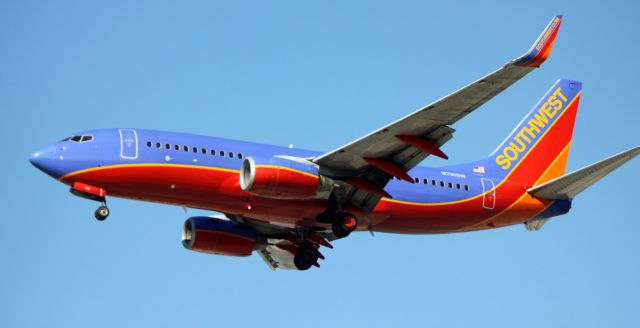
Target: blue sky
315,75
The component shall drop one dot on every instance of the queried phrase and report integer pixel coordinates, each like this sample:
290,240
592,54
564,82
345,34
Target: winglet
542,47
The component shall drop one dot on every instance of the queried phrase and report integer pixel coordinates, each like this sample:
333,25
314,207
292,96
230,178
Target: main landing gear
306,256
342,223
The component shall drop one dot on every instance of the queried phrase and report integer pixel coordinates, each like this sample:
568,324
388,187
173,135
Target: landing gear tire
102,213
306,257
344,224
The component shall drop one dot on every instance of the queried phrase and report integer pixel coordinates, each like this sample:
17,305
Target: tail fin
537,149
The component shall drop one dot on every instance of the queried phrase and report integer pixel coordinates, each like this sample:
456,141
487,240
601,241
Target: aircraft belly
218,190
195,187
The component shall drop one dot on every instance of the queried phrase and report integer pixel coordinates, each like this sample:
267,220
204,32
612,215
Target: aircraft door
128,144
488,194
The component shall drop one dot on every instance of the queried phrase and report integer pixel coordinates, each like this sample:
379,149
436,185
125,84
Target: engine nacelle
216,236
282,178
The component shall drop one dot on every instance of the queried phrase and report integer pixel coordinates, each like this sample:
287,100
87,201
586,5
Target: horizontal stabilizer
569,185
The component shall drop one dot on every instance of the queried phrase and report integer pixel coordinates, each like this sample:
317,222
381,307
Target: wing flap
569,185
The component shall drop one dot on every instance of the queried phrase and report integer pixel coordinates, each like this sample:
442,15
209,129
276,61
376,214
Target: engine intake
216,236
282,178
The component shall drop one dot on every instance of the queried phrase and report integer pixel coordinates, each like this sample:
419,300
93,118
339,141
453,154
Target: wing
368,163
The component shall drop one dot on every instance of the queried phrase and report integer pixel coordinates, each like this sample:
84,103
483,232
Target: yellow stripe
505,178
118,166
212,168
433,204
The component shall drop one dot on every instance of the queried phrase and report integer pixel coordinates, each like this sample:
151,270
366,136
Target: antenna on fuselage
369,227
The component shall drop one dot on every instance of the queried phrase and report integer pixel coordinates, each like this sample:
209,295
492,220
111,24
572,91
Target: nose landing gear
92,193
102,212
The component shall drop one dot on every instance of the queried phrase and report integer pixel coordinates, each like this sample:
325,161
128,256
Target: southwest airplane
286,203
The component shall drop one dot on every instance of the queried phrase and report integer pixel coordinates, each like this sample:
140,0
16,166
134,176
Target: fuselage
203,172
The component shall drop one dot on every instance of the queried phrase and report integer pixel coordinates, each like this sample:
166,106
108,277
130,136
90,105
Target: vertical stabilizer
537,149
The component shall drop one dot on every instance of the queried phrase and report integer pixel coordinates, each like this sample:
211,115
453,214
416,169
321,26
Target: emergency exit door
488,194
128,144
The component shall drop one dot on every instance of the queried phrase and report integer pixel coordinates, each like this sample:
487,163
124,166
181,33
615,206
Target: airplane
286,204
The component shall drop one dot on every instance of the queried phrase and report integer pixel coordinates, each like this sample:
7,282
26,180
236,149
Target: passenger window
195,149
240,155
204,151
433,182
149,144
176,147
167,146
425,181
231,154
466,187
158,145
222,153
450,185
441,183
458,186
186,148
213,152
417,180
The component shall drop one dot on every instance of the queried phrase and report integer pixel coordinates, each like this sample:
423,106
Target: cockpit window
83,138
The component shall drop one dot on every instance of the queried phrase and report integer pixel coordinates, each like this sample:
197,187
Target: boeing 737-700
286,204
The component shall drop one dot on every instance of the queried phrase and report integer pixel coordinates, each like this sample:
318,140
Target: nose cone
47,161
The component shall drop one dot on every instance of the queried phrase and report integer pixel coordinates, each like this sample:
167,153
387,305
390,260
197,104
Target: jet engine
283,178
217,236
